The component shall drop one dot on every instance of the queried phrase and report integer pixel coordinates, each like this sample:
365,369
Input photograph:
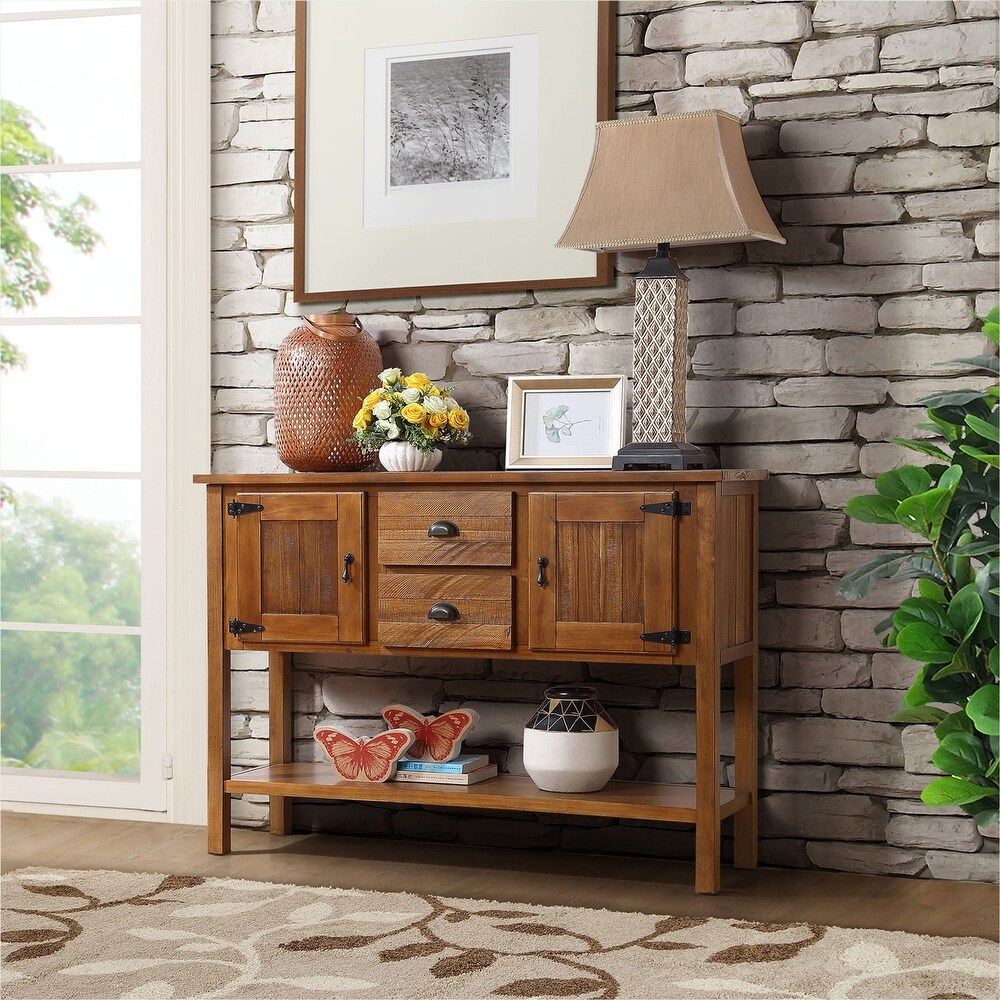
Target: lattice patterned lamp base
659,372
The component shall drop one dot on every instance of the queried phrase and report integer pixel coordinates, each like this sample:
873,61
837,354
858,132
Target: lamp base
671,455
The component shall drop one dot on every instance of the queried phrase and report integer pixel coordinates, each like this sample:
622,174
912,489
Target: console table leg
745,723
279,699
219,840
708,832
219,751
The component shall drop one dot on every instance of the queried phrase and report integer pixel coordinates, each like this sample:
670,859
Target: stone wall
872,128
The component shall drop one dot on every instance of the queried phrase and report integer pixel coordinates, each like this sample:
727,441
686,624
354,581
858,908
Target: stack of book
465,770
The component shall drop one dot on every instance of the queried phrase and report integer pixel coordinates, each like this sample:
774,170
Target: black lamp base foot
664,455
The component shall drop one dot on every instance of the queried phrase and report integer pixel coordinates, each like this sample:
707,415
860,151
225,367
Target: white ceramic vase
571,743
401,456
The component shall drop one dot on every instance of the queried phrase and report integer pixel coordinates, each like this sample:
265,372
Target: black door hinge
242,628
675,637
673,508
237,507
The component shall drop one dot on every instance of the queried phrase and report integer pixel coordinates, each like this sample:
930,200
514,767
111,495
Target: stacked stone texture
872,129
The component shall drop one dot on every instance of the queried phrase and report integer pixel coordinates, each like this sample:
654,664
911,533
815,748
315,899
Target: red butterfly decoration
437,739
364,759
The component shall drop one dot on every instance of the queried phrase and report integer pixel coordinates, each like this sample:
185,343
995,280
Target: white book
438,778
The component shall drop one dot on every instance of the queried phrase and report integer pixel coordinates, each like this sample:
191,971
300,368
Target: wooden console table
651,567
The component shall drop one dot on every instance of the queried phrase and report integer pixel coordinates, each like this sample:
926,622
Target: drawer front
466,529
475,610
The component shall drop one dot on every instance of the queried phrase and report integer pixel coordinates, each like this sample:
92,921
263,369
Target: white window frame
175,440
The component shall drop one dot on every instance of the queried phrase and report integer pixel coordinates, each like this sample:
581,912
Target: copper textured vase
322,371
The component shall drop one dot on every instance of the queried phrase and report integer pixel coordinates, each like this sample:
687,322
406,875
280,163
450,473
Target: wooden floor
923,906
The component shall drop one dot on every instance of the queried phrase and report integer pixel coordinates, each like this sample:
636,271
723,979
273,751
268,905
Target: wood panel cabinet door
603,571
300,567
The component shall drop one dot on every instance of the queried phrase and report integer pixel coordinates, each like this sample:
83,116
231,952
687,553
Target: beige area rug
101,934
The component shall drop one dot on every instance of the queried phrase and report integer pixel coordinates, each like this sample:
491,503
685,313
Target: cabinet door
292,557
610,572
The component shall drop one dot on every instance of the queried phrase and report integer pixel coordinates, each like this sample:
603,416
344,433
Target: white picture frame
564,421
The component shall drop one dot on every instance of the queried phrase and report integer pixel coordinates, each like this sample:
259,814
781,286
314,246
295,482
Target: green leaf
921,713
980,547
963,755
916,695
933,591
984,428
984,710
924,448
965,610
961,664
921,641
989,815
954,688
922,609
956,398
871,509
953,792
925,512
987,581
860,581
904,482
993,659
980,455
987,362
957,722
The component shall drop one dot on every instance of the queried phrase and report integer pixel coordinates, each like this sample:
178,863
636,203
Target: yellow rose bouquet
410,408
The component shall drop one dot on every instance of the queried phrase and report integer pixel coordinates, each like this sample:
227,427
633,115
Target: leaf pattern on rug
212,937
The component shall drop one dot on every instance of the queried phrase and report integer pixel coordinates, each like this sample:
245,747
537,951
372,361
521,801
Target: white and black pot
571,743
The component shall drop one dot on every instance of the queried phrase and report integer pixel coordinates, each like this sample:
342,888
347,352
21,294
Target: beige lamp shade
679,179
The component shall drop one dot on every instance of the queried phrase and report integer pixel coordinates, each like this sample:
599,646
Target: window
82,402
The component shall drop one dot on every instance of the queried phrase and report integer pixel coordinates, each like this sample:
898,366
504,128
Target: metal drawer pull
348,560
443,529
443,612
543,561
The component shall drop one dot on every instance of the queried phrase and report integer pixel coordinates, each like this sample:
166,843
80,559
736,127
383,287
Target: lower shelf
618,799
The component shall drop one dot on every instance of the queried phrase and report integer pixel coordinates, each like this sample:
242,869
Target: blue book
460,765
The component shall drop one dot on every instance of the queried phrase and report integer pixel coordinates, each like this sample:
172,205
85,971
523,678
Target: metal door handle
348,561
443,612
543,561
443,529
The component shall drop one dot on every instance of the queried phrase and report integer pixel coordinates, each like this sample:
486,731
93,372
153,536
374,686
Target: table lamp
672,180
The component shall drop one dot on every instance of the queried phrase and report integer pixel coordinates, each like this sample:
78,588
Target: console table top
573,477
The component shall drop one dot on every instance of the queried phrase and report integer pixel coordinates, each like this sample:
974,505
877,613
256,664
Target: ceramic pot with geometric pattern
571,743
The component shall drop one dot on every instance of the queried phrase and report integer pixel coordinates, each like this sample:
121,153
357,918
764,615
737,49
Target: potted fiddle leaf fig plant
951,626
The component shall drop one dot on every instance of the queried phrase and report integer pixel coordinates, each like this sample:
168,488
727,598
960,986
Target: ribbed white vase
401,456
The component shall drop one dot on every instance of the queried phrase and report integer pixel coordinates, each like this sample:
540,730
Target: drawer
478,609
445,529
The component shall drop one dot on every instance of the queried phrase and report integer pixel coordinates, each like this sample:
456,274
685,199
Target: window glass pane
69,551
95,280
52,418
70,701
79,78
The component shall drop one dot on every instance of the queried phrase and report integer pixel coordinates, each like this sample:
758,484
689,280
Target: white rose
382,410
393,431
384,425
389,376
451,403
435,404
410,395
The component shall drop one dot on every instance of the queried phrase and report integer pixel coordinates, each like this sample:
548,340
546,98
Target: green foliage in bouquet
953,625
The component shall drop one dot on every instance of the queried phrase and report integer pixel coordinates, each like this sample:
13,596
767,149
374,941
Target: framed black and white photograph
564,421
439,147
451,132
